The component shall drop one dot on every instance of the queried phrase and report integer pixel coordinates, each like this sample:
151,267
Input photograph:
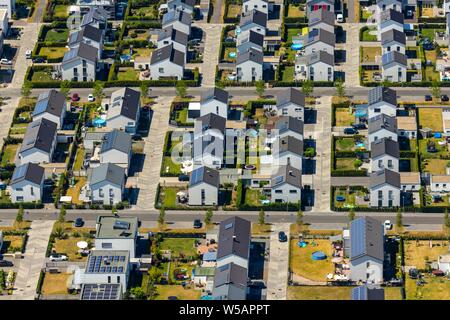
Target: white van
28,54
340,17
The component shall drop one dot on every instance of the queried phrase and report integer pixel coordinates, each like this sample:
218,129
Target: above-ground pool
340,198
296,46
318,255
125,57
99,122
437,135
232,54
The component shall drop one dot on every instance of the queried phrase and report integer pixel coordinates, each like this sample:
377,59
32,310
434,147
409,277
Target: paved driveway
211,53
278,264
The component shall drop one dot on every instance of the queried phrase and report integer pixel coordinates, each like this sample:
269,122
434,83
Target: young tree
181,89
98,90
26,88
138,293
299,219
435,89
62,214
64,88
262,217
446,219
59,233
340,88
260,88
161,217
208,216
19,216
399,219
307,87
144,91
351,215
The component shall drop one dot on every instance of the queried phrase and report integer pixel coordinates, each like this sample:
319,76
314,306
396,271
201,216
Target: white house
96,17
209,138
204,187
446,121
167,63
4,21
249,66
204,276
394,66
321,19
9,6
80,64
382,126
320,40
383,5
286,185
27,183
260,5
385,153
317,66
52,106
171,36
178,20
385,189
39,142
444,263
253,20
123,110
181,5
393,40
234,242
316,5
89,35
253,40
390,19
215,100
116,148
112,233
288,151
290,102
230,282
106,184
382,101
410,181
366,250
439,183
407,127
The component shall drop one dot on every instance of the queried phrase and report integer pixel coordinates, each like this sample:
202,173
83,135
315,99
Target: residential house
52,106
209,138
167,63
367,293
319,40
366,250
390,19
80,63
321,19
385,189
116,148
444,263
289,126
106,184
286,185
215,101
89,35
178,20
9,6
290,102
254,20
204,187
446,121
181,5
407,127
288,151
318,66
96,17
113,233
382,101
4,22
230,282
234,242
92,138
108,7
385,153
27,183
439,183
394,66
316,5
260,5
393,40
204,277
39,142
249,66
177,39
410,181
253,40
382,126
384,5
2,40
123,110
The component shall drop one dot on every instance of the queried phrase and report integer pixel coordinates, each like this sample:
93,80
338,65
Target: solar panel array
95,264
197,175
357,239
101,292
19,172
40,107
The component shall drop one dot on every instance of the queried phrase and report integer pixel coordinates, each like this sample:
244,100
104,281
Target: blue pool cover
318,255
437,135
99,122
296,46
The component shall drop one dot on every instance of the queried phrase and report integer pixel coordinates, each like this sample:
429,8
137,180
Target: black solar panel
100,292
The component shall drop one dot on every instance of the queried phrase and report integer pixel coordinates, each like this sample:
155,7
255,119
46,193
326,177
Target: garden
344,197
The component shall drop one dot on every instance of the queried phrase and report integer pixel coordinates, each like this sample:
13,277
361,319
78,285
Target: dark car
183,177
428,98
6,263
350,131
360,126
282,237
197,224
444,97
137,137
75,97
78,222
38,60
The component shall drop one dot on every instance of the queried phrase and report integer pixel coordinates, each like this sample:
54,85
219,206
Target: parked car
444,97
75,97
340,17
183,177
28,54
91,98
428,97
5,61
282,237
388,225
360,126
6,263
56,257
137,137
197,224
38,60
78,222
350,131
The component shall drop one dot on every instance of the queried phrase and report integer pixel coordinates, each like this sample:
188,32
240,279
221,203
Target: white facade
320,71
35,155
285,193
260,5
394,72
440,183
249,71
166,69
203,194
9,5
380,134
319,46
367,270
106,193
393,46
385,195
74,70
214,106
385,162
444,263
382,108
26,191
288,109
4,21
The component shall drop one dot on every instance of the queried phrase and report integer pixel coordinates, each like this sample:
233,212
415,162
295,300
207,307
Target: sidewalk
211,53
278,264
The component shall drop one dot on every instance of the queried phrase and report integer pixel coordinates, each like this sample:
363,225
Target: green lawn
288,73
142,52
318,293
291,32
57,35
435,288
253,197
295,11
169,196
9,153
345,144
127,74
345,163
61,11
173,168
431,118
440,150
52,52
435,166
366,36
145,12
165,291
18,128
79,157
417,253
430,32
234,10
180,247
42,76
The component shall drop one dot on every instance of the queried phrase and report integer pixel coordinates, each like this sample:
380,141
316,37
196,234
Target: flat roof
409,177
108,261
109,227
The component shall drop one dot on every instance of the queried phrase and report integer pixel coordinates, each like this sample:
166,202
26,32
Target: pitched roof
190,3
394,56
250,55
168,53
382,121
320,56
367,293
393,35
28,172
318,16
384,94
83,51
385,176
124,102
212,121
385,146
366,238
289,144
284,124
88,31
287,174
320,35
256,38
391,15
217,94
205,175
40,135
254,16
234,238
228,275
174,34
174,15
51,101
116,140
291,95
107,172
94,14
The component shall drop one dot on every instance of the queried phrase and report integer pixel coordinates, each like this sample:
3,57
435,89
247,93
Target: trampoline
318,255
437,135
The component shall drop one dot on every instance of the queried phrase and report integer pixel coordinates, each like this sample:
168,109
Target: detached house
384,5
96,17
39,142
204,187
289,126
124,110
167,63
52,106
260,5
440,183
286,185
116,148
215,101
106,184
382,126
234,242
382,101
209,138
318,66
393,40
321,19
320,40
316,5
230,282
290,102
288,151
171,36
385,154
254,20
89,35
366,250
80,63
178,20
27,183
181,5
390,19
249,66
367,293
394,66
253,40
385,189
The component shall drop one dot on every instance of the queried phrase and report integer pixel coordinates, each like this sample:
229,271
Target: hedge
25,205
239,190
349,173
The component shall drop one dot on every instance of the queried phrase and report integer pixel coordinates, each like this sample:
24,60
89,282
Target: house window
278,191
380,163
32,191
380,194
292,191
390,163
161,70
19,189
413,187
109,279
106,245
377,110
444,185
118,279
19,199
100,193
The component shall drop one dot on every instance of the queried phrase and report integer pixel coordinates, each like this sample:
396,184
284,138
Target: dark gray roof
95,14
367,293
234,238
366,238
28,172
319,16
125,102
382,121
321,35
393,35
284,124
205,175
174,35
190,3
40,135
291,144
392,15
254,16
287,174
229,275
88,31
320,56
309,2
116,140
291,95
83,51
107,172
394,56
385,176
385,146
212,121
217,94
379,94
51,101
250,55
168,53
256,38
174,15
